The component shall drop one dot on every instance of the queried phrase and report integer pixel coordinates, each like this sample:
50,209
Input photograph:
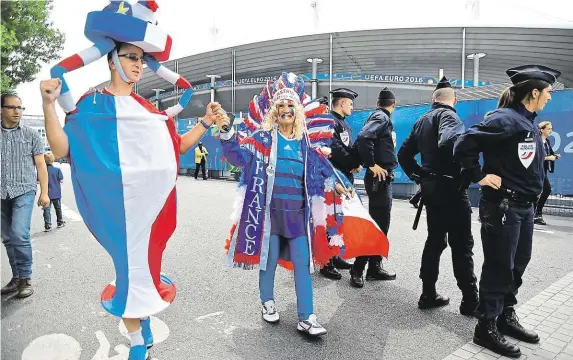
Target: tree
27,40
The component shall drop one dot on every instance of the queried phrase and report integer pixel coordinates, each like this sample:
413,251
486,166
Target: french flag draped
124,161
361,234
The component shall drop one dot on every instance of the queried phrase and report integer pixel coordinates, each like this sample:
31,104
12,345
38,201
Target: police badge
345,137
526,153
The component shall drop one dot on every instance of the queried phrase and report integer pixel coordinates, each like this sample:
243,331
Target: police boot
330,272
431,299
487,335
538,219
376,271
356,279
341,264
469,303
508,324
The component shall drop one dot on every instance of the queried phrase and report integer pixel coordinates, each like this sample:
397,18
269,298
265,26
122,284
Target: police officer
448,208
511,179
344,157
376,144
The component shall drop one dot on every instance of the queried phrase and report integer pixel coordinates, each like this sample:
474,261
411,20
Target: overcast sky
200,26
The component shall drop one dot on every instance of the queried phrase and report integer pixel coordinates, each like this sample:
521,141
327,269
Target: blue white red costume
256,151
124,160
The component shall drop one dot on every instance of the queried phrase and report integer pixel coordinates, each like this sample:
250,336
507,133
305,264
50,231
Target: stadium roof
409,52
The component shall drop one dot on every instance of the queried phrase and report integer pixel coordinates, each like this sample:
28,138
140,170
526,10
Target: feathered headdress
123,22
319,123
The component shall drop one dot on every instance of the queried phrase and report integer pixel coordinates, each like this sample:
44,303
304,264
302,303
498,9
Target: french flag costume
124,159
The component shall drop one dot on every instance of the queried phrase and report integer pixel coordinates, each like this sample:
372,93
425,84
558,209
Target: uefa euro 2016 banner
370,77
559,111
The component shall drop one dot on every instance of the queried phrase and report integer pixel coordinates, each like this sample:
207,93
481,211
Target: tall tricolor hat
123,22
135,24
443,83
524,73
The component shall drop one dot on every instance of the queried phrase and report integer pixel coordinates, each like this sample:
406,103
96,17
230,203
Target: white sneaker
311,326
270,313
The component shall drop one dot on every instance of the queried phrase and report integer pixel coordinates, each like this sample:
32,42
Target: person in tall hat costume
293,207
124,156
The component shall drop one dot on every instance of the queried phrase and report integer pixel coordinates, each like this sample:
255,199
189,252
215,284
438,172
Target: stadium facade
408,61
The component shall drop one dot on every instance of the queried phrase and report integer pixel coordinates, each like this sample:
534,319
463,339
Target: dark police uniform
376,144
344,157
344,154
448,208
512,149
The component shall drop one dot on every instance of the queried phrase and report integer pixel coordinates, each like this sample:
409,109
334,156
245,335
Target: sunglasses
12,107
131,56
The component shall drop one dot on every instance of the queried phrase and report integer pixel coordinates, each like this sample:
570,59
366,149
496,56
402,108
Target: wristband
205,125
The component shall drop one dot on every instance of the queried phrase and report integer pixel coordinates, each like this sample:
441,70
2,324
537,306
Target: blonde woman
281,175
55,178
545,129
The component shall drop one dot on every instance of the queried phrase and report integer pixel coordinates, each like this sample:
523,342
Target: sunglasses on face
131,56
12,107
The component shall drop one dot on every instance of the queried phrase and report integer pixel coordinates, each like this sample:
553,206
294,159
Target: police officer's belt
514,197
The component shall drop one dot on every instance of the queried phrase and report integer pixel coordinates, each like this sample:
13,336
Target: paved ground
216,312
550,314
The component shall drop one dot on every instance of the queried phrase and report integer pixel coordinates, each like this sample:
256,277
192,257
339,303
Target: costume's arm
237,154
174,79
76,61
323,170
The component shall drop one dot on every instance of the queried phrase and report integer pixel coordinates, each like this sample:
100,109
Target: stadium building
408,61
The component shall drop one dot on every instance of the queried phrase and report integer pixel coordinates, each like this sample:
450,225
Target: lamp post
157,92
476,58
314,81
213,78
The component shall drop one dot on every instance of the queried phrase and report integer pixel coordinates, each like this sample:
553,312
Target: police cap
524,73
344,93
444,83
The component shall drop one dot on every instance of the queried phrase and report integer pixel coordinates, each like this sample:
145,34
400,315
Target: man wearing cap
511,179
376,144
448,208
344,157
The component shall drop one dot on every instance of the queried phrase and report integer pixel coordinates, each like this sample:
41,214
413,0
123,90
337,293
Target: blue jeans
299,255
16,218
48,212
